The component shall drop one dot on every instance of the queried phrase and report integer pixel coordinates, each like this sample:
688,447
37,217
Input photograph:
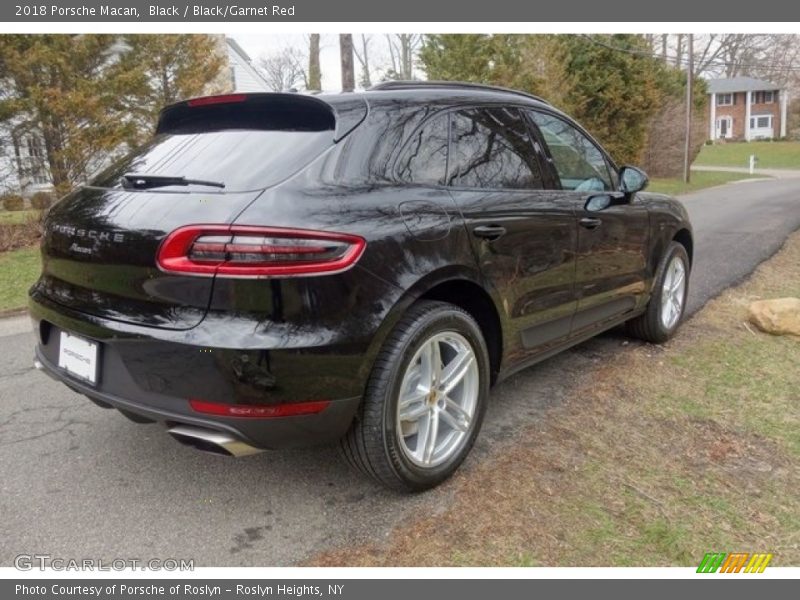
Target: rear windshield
242,160
245,141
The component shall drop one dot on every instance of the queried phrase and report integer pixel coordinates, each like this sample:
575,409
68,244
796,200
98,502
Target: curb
14,312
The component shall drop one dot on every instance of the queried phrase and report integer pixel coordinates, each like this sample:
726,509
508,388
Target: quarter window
579,163
492,149
424,159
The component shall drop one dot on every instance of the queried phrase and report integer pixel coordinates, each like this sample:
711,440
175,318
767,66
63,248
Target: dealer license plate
78,357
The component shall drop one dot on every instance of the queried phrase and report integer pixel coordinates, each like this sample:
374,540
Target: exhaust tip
213,442
39,366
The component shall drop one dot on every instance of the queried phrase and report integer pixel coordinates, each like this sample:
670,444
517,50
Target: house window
764,97
724,99
761,122
34,148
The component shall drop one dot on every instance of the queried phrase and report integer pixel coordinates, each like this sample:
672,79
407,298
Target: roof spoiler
262,111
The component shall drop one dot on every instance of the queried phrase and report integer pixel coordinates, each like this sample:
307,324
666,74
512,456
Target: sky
270,43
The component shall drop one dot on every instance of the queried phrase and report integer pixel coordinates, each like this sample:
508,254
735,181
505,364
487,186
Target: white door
724,126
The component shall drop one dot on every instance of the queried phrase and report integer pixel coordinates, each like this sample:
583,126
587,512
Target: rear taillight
245,251
274,411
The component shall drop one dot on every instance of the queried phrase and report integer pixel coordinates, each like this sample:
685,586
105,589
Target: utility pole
689,78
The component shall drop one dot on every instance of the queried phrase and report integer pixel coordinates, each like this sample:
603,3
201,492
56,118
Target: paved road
79,481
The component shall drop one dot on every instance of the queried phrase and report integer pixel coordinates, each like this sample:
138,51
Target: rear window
246,144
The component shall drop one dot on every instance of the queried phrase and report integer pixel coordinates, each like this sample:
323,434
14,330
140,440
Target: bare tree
781,58
362,55
314,82
769,56
283,70
402,48
346,58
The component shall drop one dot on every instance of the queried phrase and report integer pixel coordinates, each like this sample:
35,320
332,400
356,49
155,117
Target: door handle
590,222
489,232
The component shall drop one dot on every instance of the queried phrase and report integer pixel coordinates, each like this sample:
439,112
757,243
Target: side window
579,163
492,148
424,158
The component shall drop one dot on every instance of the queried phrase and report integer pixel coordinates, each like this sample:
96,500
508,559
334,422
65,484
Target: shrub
41,200
13,202
22,235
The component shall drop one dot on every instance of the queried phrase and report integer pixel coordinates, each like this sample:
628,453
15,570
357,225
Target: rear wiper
144,181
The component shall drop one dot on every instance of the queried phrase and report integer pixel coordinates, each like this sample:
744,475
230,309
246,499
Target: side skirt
569,343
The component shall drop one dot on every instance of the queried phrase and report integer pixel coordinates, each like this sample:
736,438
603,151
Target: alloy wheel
438,399
673,293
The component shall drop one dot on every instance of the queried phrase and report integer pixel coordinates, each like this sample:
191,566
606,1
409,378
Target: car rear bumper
150,379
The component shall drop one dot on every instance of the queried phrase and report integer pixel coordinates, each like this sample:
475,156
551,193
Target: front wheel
425,399
668,301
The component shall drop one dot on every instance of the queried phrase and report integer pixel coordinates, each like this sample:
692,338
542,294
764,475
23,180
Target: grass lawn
771,155
17,217
18,270
662,454
698,181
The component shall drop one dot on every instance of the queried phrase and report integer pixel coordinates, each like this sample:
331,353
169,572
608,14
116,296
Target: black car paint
167,338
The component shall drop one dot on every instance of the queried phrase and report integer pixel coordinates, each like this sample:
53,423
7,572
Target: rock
780,316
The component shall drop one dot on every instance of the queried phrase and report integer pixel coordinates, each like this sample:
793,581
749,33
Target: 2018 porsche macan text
275,270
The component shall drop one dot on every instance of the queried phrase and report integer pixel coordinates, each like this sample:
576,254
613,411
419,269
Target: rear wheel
425,399
668,300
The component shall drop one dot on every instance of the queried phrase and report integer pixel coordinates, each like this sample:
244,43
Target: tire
391,448
652,326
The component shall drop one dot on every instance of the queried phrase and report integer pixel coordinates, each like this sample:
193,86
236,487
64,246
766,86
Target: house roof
739,84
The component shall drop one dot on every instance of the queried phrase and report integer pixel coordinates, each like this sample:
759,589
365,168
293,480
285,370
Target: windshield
241,159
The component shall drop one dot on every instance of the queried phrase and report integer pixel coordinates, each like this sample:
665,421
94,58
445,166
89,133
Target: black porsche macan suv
275,270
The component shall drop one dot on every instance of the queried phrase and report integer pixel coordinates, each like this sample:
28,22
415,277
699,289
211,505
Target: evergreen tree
610,84
86,96
63,89
157,70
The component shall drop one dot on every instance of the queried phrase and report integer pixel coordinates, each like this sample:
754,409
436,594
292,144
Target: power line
684,62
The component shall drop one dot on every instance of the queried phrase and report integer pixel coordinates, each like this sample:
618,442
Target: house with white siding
244,77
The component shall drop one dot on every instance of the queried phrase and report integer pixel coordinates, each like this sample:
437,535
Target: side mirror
632,180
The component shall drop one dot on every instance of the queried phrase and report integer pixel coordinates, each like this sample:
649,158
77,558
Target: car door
523,234
611,258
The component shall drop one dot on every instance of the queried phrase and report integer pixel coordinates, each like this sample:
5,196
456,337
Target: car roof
438,92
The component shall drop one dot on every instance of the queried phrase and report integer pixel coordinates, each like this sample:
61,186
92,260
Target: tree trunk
59,172
664,40
679,51
363,58
407,55
314,72
346,53
405,47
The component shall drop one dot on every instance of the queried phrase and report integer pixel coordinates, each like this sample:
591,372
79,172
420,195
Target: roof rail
411,85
